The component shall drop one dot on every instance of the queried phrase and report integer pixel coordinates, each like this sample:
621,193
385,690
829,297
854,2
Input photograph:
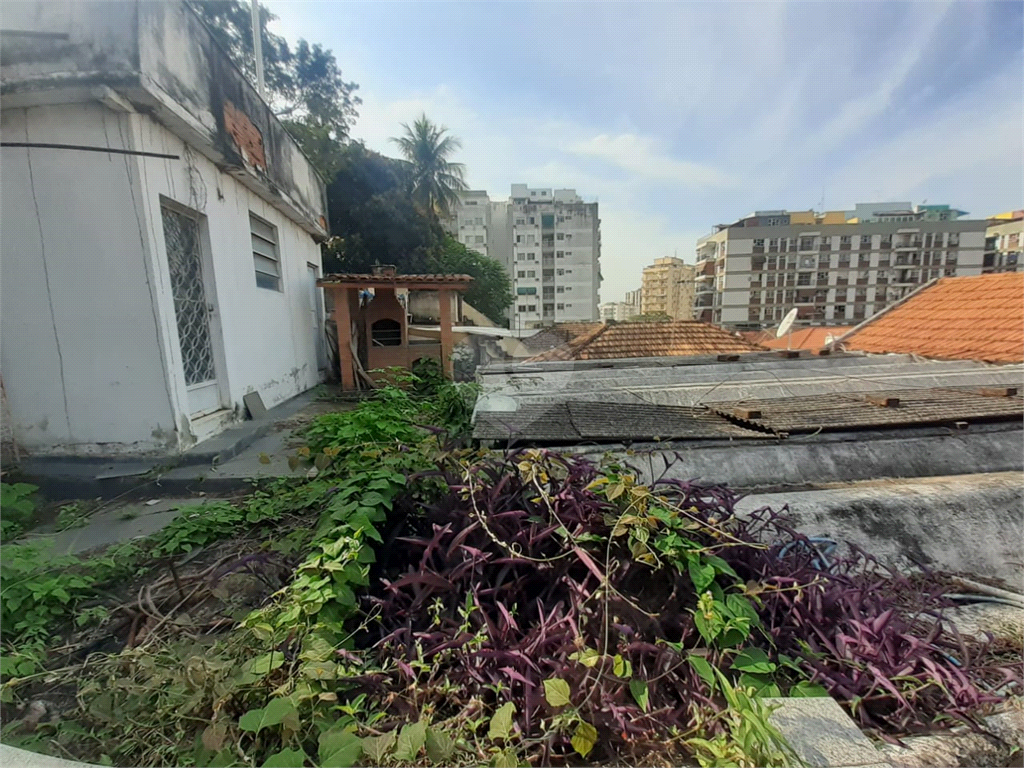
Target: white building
160,233
619,311
548,240
835,268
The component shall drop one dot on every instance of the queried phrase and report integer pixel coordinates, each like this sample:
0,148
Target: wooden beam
447,345
343,320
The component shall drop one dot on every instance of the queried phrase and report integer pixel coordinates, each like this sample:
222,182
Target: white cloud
640,155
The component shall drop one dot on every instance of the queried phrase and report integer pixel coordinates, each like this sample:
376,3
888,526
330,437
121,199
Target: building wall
556,267
827,275
91,359
1004,246
668,287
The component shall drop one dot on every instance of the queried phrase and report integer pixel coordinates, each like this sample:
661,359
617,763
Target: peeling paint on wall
247,137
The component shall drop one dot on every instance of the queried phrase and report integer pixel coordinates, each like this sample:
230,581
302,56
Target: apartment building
635,300
836,268
668,288
616,311
1003,244
549,241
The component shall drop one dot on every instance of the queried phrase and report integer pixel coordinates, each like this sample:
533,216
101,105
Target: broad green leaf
410,741
703,668
588,657
266,663
584,739
720,565
622,667
339,749
753,660
807,690
375,748
700,574
556,691
709,629
439,747
286,758
501,722
741,607
507,758
274,713
638,688
613,492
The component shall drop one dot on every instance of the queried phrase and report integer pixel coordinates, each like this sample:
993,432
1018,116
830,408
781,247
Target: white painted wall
122,388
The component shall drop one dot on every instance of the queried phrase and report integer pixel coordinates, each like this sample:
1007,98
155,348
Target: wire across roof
353,280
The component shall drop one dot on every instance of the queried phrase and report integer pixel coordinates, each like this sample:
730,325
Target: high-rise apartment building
1004,242
635,301
548,240
667,288
836,268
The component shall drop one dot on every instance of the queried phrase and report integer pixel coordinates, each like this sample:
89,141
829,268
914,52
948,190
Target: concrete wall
91,357
159,56
967,523
84,350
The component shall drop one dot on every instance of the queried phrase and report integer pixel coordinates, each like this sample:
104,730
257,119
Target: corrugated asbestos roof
652,339
572,422
876,409
957,318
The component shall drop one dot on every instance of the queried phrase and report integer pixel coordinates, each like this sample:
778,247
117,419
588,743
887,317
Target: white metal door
192,310
316,316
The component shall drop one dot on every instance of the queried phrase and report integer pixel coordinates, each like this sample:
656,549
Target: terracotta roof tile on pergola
385,310
412,282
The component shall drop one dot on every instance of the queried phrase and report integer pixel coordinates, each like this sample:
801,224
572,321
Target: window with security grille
265,256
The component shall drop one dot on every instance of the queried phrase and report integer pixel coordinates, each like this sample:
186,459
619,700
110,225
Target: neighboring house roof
956,318
557,335
677,338
804,338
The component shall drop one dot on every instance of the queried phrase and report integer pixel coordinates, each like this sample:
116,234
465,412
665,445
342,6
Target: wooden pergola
380,326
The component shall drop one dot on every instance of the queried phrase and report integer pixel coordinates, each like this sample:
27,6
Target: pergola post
343,320
444,298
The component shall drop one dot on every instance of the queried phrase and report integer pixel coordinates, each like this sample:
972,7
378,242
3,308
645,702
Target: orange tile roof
804,338
957,318
653,339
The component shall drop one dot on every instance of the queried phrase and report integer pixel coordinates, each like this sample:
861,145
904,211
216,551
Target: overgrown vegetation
414,602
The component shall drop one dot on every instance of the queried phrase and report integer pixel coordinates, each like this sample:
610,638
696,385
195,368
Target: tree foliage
305,87
491,291
435,179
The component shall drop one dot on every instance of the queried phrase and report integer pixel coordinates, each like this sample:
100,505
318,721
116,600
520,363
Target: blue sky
678,116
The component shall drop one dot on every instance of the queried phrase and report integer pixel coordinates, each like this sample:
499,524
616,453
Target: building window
533,220
531,273
265,257
520,221
804,278
844,239
386,333
521,307
560,289
559,254
519,238
822,278
560,272
561,306
953,239
560,236
759,243
521,273
806,243
526,291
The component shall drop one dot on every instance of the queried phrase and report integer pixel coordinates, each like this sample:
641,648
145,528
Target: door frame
215,325
323,362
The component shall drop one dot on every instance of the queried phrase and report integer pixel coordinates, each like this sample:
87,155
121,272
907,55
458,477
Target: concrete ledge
823,735
12,756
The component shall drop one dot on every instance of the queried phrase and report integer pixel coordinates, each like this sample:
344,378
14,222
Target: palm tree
435,181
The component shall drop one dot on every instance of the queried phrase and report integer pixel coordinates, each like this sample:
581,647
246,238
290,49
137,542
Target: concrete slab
12,756
116,523
822,734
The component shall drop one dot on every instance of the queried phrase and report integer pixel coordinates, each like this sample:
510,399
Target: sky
676,116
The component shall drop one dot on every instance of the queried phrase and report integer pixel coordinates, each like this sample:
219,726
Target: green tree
434,180
491,291
372,217
305,87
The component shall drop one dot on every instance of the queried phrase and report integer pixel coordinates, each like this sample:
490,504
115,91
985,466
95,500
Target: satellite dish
786,324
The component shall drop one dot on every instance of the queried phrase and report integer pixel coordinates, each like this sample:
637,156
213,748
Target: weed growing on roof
457,607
